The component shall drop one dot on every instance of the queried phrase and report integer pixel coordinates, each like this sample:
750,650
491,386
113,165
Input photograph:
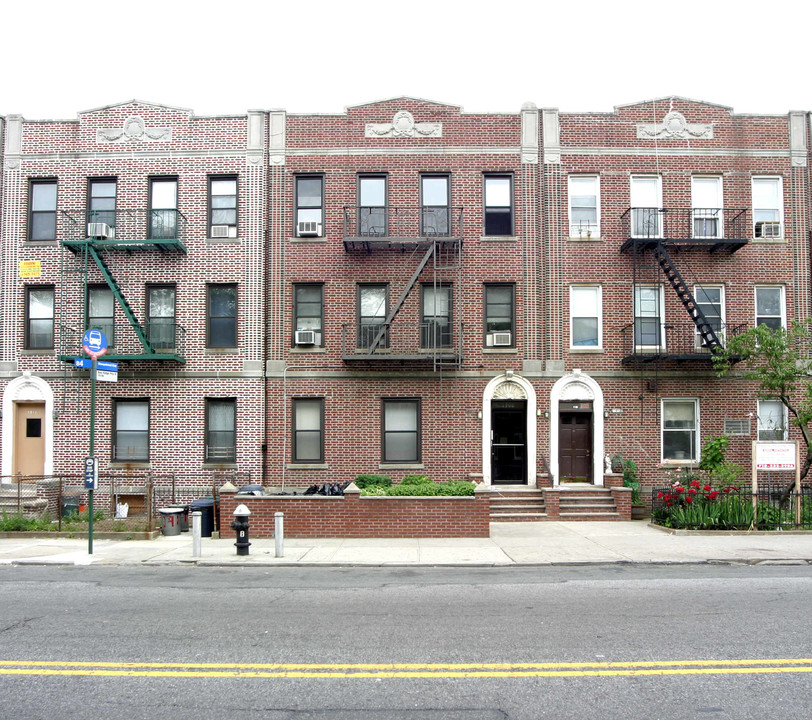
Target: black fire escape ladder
122,300
396,307
709,337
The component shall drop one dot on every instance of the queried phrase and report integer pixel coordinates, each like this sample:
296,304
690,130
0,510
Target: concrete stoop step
517,505
576,502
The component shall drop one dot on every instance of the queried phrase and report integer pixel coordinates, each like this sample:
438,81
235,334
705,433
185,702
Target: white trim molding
27,388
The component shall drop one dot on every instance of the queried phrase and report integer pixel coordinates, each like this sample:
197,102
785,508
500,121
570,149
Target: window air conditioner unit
220,231
305,337
498,339
308,228
100,230
768,229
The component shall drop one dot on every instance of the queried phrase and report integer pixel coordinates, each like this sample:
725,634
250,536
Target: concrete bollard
197,533
279,533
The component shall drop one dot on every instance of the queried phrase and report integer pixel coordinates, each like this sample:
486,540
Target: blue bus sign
91,473
94,343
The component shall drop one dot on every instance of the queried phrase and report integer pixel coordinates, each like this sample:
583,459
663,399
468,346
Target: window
648,316
585,316
401,430
101,204
163,208
710,299
770,306
584,199
308,430
499,315
768,207
42,210
221,444
131,430
435,207
161,326
309,206
680,430
372,211
772,420
101,311
308,314
435,328
706,207
646,201
222,316
373,305
223,207
498,205
39,318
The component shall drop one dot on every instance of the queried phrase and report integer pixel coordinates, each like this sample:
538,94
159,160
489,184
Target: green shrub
416,480
19,523
368,480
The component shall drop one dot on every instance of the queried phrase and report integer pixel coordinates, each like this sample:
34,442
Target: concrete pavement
543,543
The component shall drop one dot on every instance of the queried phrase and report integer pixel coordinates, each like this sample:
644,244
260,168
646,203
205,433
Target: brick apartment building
401,288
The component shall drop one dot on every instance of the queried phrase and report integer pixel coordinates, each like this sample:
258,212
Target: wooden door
575,446
29,439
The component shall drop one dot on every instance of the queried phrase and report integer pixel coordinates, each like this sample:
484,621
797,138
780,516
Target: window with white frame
772,420
584,205
131,430
710,299
221,445
649,314
223,206
646,201
706,207
401,430
42,210
585,316
768,207
309,206
680,430
435,210
39,317
308,430
770,306
498,199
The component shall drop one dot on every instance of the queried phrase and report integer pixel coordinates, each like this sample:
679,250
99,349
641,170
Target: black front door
509,441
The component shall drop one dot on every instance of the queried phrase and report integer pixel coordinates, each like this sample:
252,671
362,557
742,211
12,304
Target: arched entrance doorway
28,430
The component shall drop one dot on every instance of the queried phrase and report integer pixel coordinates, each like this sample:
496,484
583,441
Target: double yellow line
407,670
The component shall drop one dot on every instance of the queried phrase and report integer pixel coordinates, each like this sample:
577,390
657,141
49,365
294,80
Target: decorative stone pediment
133,130
576,391
509,391
674,127
403,125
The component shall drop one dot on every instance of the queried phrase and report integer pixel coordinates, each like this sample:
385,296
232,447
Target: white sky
59,58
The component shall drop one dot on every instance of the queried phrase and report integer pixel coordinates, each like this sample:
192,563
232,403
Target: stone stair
517,504
586,502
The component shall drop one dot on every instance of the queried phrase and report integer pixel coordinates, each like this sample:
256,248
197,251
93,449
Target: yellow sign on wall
30,269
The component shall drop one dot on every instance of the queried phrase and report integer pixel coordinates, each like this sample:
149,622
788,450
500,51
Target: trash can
184,516
206,508
170,520
70,505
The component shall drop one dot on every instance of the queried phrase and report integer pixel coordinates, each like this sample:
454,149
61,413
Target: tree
778,359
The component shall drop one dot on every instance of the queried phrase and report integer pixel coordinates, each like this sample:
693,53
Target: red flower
707,488
693,491
726,490
659,496
713,495
695,483
689,499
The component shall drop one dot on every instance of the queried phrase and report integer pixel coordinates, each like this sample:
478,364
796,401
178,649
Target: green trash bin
206,508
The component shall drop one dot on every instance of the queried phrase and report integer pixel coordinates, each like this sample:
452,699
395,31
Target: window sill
220,466
138,464
578,238
307,466
308,240
498,238
40,243
678,463
769,241
307,350
499,351
223,241
401,466
221,351
587,351
43,351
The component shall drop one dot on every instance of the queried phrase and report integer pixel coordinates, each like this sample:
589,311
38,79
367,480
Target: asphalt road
700,641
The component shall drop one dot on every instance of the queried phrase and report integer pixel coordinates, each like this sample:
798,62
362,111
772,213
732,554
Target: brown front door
29,439
575,442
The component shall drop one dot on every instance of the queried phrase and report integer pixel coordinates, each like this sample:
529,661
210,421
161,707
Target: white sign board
106,376
775,455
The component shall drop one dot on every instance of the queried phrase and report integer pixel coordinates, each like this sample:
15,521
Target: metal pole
92,450
197,533
279,533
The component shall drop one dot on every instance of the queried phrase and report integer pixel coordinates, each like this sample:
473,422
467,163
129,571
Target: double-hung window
706,207
101,207
223,206
772,421
101,311
163,208
131,430
373,304
161,315
39,317
435,206
221,445
401,430
309,206
373,216
42,210
770,306
500,315
584,205
646,202
435,328
498,199
308,430
648,317
585,316
680,430
768,207
222,316
710,299
308,314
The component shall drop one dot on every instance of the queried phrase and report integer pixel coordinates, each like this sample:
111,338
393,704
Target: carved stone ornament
674,127
403,125
135,130
509,391
576,391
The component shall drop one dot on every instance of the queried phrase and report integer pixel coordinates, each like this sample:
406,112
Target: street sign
94,343
106,376
100,364
91,473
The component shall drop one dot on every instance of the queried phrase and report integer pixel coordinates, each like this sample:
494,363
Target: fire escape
656,238
92,243
426,238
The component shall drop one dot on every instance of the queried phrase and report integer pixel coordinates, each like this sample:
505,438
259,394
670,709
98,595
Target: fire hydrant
240,526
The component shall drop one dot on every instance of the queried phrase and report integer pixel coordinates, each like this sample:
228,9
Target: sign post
94,343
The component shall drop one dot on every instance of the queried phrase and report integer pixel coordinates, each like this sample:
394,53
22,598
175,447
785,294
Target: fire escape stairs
379,336
709,337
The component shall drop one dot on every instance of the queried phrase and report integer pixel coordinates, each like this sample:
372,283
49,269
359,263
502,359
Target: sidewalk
544,543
